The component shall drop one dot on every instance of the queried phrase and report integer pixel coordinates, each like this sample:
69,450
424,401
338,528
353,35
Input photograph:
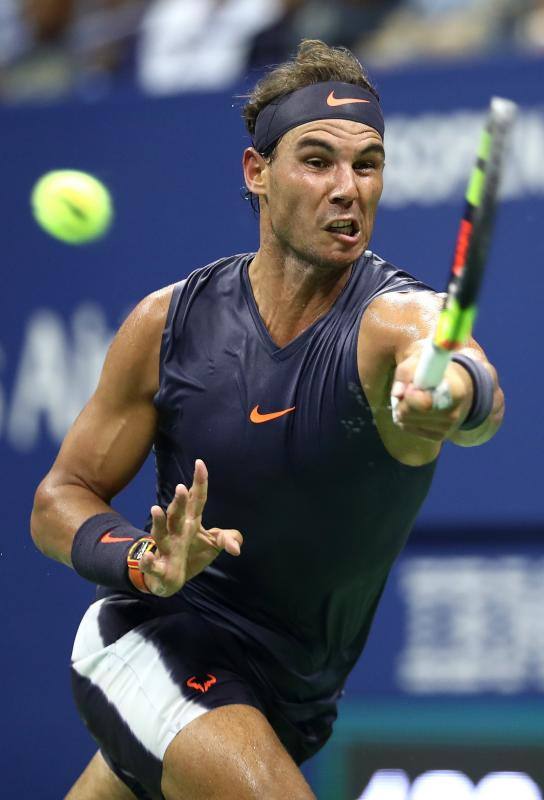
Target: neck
291,294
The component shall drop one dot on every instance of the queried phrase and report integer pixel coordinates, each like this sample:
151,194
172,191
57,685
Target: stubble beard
308,257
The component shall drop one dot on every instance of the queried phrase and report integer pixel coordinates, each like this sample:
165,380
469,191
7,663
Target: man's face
325,174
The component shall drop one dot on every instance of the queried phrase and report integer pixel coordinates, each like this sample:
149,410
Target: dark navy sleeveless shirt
324,509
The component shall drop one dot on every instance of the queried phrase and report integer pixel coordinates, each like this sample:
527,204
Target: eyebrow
373,148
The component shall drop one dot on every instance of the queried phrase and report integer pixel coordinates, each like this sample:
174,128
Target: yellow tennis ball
72,206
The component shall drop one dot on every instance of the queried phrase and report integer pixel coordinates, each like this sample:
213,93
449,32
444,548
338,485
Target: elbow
43,502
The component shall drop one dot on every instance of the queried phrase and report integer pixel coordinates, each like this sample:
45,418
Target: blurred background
447,702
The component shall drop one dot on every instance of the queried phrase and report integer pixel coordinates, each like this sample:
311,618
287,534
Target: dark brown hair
314,62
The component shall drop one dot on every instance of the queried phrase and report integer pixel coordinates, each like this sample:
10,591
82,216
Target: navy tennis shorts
140,676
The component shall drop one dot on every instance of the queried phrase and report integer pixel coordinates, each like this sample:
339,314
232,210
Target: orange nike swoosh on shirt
257,417
343,101
109,539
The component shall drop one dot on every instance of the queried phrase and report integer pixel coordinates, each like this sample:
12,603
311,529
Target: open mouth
345,228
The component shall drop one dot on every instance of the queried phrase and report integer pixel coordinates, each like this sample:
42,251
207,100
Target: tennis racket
454,325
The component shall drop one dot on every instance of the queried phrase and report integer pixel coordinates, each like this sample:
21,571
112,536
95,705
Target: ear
255,171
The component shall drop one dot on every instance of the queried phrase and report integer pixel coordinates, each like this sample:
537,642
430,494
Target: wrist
100,552
136,552
482,392
467,401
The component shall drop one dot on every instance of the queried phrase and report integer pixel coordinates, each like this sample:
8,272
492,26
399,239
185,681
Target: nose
344,190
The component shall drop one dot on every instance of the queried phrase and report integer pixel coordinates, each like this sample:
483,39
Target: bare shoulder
132,363
397,316
149,315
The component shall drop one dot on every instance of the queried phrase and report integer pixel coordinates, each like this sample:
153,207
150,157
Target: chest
227,395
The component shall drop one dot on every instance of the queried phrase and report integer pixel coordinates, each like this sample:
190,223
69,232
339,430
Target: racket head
476,227
456,320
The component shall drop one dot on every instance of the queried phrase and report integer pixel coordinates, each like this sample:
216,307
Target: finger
414,424
177,509
395,409
442,399
229,543
159,530
199,491
404,372
201,471
431,415
227,539
158,526
418,399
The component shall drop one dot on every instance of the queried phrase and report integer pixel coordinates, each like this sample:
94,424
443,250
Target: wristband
483,391
101,548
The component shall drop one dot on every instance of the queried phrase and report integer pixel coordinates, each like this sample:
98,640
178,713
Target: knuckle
402,373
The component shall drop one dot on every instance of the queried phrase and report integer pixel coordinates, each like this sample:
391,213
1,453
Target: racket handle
431,366
429,373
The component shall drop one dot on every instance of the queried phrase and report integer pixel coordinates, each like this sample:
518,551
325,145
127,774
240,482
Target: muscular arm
110,439
392,334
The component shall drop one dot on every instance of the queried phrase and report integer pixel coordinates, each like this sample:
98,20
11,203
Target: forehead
338,133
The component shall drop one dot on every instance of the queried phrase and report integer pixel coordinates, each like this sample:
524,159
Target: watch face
448,772
138,549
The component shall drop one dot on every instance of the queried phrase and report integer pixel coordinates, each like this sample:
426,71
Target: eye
364,166
367,166
317,163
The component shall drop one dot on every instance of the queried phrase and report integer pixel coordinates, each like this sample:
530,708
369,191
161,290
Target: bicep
109,441
106,445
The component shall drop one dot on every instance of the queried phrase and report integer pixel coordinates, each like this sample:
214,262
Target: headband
329,100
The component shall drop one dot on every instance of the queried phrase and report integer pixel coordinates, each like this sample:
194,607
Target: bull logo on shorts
201,686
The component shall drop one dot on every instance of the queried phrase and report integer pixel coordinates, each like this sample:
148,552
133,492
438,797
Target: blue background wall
173,167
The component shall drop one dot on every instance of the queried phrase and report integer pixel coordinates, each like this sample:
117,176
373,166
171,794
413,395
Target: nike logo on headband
343,101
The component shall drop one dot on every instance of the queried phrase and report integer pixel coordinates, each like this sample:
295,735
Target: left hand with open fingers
184,546
433,415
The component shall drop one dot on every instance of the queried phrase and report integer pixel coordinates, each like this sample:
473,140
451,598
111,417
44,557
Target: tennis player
211,663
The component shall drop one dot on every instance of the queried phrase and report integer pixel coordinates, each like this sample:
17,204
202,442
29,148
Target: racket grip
431,366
